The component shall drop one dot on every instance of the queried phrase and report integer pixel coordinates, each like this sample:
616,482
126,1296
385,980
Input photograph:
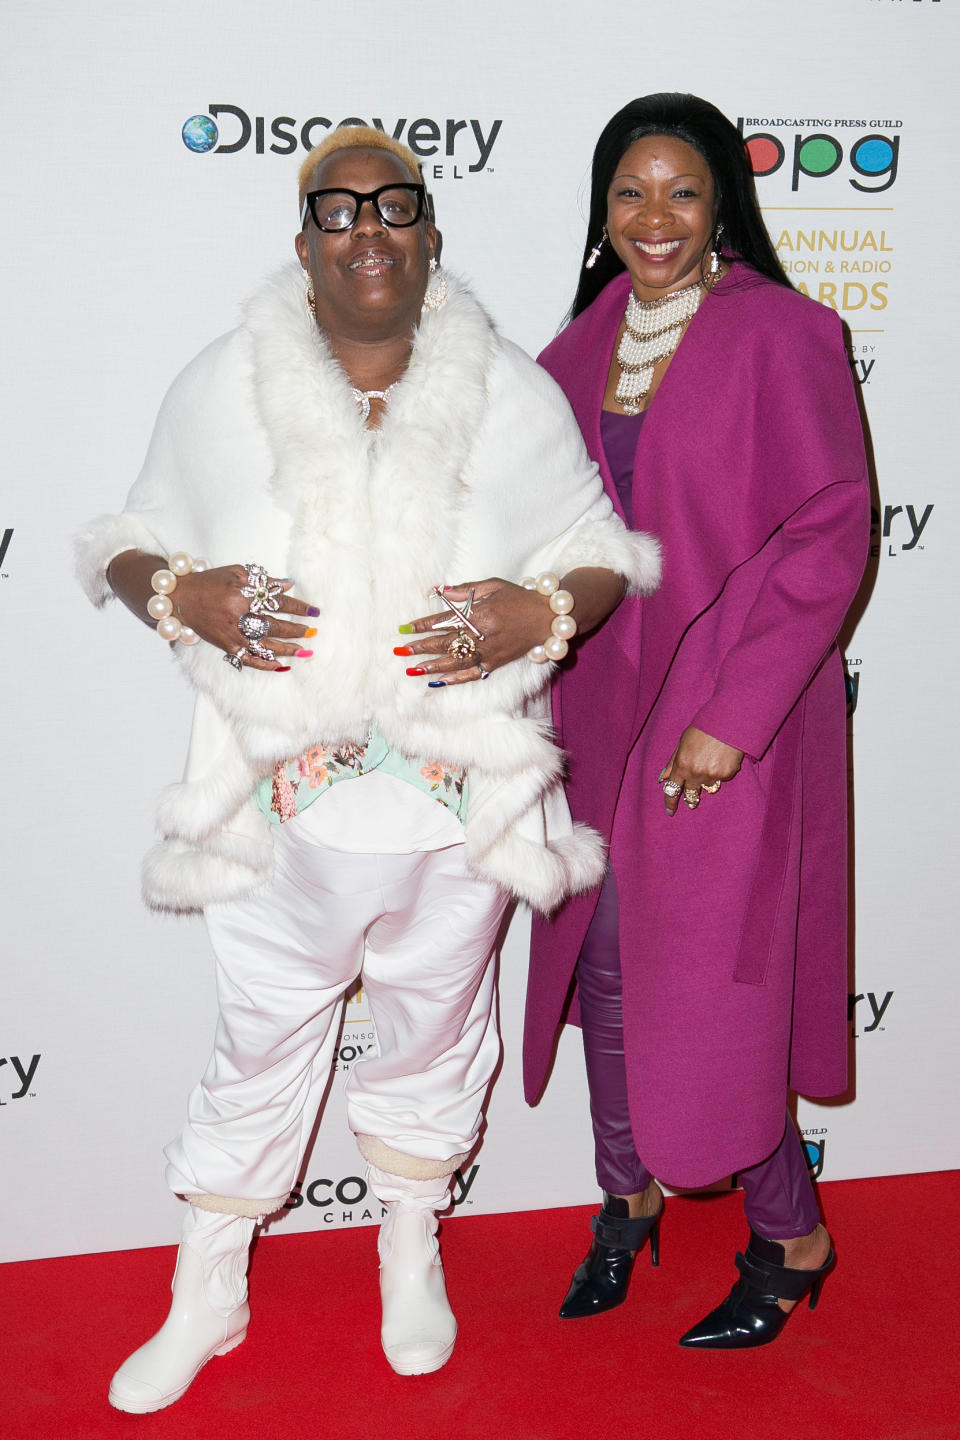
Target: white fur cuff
231,1205
97,544
410,1167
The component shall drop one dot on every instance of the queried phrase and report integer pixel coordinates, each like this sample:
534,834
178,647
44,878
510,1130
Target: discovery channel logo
458,143
17,1080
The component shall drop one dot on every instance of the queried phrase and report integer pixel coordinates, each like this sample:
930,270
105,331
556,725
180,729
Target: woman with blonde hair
367,432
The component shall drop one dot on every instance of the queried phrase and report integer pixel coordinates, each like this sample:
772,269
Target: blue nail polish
436,684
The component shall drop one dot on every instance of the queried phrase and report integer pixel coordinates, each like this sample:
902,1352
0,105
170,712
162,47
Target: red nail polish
416,670
281,669
402,650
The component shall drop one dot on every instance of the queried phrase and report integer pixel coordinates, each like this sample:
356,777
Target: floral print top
297,783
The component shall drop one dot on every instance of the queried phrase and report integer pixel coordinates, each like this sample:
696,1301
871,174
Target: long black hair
720,143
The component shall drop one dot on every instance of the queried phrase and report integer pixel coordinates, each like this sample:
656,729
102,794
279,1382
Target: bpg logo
24,1073
814,1152
5,539
851,675
459,141
873,157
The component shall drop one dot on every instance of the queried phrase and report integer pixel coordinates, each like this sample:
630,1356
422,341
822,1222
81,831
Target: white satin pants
421,933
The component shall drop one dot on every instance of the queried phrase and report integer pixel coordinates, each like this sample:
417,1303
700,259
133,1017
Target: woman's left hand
698,765
510,619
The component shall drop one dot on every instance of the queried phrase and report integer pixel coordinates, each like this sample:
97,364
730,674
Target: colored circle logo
764,154
820,155
200,134
872,156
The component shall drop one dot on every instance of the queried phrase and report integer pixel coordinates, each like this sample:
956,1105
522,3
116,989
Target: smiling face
369,281
661,214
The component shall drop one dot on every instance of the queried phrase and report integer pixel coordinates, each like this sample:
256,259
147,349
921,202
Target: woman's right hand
211,603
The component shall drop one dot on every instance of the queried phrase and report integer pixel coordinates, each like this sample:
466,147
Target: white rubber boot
208,1315
419,1329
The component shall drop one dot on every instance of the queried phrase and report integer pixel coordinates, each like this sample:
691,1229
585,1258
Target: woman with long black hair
710,968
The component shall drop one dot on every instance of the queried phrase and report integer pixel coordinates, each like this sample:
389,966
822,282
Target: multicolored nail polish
313,611
403,650
435,684
303,654
309,634
416,670
405,630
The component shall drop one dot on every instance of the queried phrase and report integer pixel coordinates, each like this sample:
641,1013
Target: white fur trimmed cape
259,453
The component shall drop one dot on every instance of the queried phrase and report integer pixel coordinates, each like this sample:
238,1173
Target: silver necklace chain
363,398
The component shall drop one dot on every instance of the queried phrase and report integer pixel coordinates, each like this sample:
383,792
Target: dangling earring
594,255
715,252
436,296
309,299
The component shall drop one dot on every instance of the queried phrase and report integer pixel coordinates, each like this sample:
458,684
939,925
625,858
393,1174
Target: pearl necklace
653,331
363,398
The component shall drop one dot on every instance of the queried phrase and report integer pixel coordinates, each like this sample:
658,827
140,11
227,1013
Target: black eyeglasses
333,210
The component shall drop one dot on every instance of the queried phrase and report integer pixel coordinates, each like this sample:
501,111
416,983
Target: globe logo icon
200,134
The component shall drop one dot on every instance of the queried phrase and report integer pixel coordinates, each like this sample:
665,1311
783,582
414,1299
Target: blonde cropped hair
349,137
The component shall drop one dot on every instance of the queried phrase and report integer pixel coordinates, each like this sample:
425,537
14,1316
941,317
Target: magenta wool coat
751,470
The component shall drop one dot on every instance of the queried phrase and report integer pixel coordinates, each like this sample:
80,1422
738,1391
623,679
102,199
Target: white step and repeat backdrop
131,241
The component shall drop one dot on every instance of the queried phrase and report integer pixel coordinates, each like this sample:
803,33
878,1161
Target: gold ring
691,798
462,646
711,789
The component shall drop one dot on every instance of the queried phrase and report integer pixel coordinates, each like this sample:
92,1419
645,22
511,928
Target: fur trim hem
409,1167
543,875
232,1205
630,553
185,881
193,810
97,544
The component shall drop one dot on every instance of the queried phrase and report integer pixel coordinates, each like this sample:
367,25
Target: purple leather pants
778,1194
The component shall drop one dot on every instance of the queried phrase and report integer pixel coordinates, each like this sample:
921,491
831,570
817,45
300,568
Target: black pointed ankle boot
750,1314
601,1282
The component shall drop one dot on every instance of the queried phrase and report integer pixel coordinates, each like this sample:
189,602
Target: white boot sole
405,1360
132,1406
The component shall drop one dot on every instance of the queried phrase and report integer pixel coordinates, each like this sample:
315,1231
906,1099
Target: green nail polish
405,630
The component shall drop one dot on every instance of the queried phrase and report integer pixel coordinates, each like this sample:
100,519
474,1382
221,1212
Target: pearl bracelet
563,627
160,606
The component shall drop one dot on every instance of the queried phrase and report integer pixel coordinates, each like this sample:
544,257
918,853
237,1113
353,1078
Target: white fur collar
375,514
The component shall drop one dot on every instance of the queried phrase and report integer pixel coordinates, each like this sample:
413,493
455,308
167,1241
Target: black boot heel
750,1314
601,1282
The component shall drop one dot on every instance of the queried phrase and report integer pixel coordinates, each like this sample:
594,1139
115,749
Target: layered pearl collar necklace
653,331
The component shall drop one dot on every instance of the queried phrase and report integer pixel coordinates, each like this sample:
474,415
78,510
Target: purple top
619,435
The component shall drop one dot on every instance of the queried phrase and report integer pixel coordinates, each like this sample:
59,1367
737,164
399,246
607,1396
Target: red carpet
878,1360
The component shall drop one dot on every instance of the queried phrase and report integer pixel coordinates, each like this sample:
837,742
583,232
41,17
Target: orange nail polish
309,634
402,650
